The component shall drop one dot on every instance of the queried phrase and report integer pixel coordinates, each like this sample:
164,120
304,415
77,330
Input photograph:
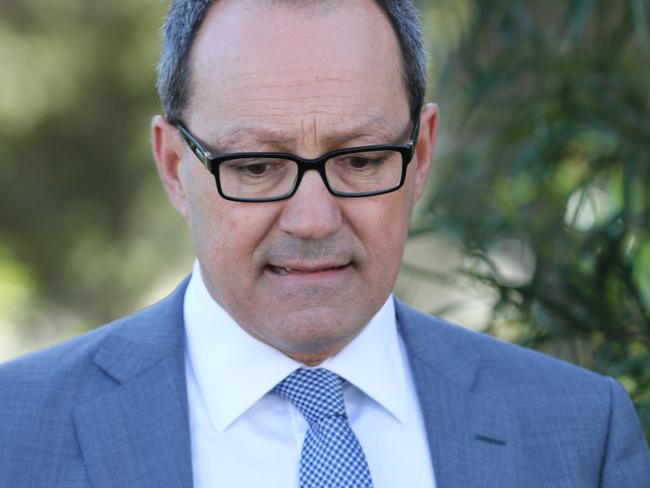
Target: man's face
306,274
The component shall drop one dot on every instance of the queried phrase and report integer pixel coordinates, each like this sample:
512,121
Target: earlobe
168,154
425,146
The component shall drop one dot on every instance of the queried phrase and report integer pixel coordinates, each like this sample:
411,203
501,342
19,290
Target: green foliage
76,171
547,178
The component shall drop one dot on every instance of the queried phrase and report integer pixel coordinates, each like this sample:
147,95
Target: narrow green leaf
641,21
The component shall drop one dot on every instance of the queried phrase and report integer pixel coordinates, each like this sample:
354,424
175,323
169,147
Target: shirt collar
224,357
374,362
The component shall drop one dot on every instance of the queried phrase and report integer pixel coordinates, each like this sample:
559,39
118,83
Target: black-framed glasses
270,176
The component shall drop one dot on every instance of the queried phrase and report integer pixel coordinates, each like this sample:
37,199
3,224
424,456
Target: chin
311,332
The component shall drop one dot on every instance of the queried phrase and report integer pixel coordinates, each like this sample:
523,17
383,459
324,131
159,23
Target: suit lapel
472,436
137,434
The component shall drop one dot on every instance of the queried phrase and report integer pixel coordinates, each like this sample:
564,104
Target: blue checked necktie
331,454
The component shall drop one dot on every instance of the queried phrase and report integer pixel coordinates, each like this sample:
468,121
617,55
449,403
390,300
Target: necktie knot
316,393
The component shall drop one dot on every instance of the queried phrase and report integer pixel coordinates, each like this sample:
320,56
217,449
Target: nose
312,212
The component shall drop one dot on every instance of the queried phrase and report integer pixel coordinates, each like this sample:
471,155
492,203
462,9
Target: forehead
296,67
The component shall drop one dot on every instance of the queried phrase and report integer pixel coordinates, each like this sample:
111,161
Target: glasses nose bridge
316,164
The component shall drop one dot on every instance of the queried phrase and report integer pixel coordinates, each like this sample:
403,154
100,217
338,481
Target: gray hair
186,16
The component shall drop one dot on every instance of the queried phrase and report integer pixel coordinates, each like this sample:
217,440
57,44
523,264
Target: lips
302,270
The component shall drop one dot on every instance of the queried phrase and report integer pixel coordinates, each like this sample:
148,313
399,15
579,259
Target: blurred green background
535,226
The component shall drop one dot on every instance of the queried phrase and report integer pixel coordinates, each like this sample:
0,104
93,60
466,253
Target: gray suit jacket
109,409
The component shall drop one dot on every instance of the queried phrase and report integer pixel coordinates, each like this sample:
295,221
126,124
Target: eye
255,169
361,162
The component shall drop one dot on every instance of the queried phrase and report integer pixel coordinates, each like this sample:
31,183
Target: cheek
203,215
227,234
382,225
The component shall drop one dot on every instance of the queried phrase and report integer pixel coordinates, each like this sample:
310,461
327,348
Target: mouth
300,270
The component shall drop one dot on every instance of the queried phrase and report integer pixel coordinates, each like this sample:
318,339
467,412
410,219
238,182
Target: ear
168,152
426,144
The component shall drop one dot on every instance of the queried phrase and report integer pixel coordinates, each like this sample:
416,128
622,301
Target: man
285,361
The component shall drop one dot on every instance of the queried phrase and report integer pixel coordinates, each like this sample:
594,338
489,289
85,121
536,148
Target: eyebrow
249,135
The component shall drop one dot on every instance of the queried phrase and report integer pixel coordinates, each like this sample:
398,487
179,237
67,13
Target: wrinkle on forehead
275,89
244,135
282,87
332,75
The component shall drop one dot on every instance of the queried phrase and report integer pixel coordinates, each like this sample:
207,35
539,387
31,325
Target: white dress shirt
244,436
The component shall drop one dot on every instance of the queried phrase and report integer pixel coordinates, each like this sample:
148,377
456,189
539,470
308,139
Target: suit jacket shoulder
466,355
562,425
45,396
